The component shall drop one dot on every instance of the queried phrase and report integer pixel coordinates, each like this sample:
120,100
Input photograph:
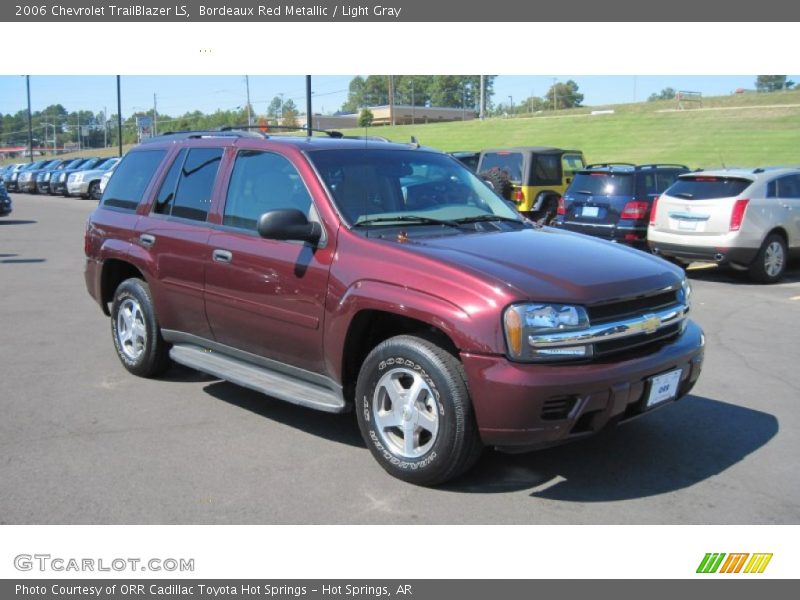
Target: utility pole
391,99
105,127
79,130
30,119
247,85
119,116
555,98
308,105
412,100
511,104
155,115
483,98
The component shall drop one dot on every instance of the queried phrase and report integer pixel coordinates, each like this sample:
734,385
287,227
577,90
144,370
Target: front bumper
26,186
78,189
527,406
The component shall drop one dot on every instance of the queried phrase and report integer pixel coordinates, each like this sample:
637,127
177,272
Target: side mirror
288,224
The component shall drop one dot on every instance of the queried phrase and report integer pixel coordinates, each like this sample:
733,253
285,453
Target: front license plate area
663,388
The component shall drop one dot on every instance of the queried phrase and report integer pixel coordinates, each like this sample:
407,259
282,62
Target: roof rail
609,165
266,129
183,135
660,165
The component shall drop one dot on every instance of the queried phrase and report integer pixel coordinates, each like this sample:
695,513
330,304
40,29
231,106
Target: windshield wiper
482,218
408,219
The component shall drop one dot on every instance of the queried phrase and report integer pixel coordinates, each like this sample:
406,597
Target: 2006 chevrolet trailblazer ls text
387,278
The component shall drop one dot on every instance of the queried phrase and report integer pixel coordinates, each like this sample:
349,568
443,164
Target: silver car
746,218
86,184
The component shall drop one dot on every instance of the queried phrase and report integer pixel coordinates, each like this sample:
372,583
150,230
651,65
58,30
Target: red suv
386,278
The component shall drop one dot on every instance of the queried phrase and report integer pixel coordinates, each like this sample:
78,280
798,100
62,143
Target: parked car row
748,219
68,177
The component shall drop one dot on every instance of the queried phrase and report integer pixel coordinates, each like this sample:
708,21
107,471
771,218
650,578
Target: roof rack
609,165
662,165
266,129
184,135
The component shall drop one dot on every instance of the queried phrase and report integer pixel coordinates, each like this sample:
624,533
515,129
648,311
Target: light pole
555,98
46,125
511,104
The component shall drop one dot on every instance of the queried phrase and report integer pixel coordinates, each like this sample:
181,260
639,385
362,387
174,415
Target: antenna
722,162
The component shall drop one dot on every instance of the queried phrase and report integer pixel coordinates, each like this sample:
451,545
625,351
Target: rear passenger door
175,235
783,194
267,297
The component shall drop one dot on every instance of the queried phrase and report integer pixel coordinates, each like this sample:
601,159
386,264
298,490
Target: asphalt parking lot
83,441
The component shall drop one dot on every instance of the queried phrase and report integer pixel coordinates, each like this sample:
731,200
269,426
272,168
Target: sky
179,94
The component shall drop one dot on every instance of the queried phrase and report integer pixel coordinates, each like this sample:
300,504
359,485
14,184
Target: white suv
748,219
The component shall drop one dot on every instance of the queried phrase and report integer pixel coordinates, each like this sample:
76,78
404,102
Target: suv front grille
623,309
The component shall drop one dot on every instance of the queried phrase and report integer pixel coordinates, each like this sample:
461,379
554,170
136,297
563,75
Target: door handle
147,240
222,256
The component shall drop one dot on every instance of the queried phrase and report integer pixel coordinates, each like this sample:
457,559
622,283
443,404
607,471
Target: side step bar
261,379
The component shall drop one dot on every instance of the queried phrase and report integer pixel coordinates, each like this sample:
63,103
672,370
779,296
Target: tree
365,118
771,83
419,90
564,95
290,113
667,93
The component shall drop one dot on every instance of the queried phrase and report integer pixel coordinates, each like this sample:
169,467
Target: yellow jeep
532,177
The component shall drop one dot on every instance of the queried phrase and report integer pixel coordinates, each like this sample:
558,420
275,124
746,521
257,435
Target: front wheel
414,411
770,262
135,330
94,190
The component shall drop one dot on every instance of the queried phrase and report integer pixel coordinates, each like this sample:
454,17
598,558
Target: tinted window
166,194
510,162
260,182
126,188
602,184
546,169
707,188
571,163
784,187
199,171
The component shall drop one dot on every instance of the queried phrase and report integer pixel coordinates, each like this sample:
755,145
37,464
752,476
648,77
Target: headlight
522,321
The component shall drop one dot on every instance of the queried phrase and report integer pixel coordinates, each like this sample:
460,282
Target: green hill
746,130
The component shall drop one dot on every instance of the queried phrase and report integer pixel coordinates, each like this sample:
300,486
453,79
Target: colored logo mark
734,563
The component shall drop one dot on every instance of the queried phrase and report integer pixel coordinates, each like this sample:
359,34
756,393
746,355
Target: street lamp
511,103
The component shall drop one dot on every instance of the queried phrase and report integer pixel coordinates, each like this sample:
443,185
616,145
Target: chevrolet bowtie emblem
651,323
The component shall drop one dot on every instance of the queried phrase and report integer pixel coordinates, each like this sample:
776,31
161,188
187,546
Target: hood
551,265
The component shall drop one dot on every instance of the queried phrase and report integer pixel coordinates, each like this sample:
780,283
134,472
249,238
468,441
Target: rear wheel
414,411
548,211
770,262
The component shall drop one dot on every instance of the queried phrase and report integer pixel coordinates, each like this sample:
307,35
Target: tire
499,181
770,262
548,212
94,190
432,437
135,331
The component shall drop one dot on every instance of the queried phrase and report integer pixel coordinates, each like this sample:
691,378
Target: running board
261,379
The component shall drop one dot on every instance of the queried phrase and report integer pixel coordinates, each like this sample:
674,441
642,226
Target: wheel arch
115,271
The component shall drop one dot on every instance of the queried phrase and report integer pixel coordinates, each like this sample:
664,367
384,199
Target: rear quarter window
707,188
129,182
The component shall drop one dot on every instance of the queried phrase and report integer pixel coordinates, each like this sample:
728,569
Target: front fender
466,332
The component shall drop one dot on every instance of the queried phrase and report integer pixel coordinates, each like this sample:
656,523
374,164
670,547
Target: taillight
737,216
519,196
635,210
653,211
562,207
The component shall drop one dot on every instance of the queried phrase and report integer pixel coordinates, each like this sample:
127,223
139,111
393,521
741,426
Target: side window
772,189
665,179
571,163
166,194
126,188
260,182
788,187
546,169
193,196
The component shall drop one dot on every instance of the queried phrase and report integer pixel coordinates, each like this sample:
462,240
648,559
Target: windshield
107,164
602,184
707,188
373,186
